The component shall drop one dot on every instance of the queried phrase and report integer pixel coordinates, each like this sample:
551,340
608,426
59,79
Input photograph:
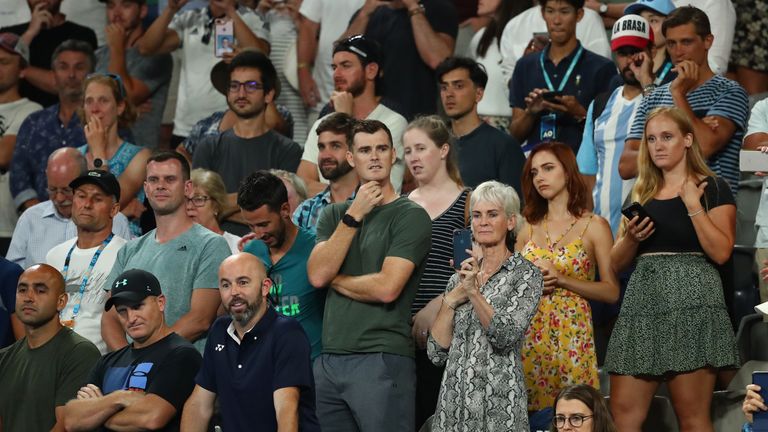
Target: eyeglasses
66,191
199,200
116,77
250,86
575,420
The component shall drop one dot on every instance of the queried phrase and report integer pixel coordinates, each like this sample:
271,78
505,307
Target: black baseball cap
103,179
367,50
133,286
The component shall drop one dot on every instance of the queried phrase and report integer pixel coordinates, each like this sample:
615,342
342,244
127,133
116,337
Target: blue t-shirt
291,293
245,373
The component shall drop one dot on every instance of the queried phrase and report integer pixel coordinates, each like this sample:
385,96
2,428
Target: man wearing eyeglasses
48,223
146,78
192,33
250,145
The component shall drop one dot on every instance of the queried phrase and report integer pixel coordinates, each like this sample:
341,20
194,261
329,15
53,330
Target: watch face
603,8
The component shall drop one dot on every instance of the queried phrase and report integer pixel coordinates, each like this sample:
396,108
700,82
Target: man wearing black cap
250,145
357,76
144,385
86,260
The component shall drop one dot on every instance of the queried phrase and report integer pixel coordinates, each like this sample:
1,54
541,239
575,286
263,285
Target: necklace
550,244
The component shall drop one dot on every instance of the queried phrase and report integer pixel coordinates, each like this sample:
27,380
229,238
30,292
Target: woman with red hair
567,243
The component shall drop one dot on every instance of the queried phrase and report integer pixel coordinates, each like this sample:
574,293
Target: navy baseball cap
133,286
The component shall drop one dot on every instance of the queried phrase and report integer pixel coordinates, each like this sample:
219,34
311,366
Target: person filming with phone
673,325
484,313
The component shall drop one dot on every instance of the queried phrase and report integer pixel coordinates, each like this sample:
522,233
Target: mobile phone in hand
224,31
760,418
636,209
551,95
462,241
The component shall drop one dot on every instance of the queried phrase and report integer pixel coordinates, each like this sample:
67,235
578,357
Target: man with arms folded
370,254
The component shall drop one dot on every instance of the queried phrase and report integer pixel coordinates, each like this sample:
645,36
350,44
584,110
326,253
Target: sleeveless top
559,348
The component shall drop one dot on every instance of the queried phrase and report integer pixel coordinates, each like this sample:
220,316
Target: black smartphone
635,209
462,241
551,95
760,418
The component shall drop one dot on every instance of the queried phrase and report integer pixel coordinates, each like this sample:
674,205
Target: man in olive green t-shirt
370,254
44,369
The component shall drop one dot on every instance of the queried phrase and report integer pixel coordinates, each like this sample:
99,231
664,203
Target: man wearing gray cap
145,384
86,260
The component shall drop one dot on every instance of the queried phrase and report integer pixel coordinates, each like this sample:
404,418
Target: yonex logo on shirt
219,347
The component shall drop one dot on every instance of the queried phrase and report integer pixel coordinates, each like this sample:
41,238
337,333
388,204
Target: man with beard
250,144
145,78
334,140
256,361
86,260
144,385
46,29
183,255
485,153
610,117
44,369
357,75
284,249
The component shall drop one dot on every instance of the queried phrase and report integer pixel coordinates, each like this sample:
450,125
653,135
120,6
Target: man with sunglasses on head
146,78
250,144
193,34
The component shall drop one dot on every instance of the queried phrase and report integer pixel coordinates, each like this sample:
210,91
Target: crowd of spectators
367,215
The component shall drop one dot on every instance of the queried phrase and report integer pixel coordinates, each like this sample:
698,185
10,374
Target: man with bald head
256,361
44,369
47,224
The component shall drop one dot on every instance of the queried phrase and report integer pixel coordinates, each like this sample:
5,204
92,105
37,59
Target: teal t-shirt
291,292
400,229
188,262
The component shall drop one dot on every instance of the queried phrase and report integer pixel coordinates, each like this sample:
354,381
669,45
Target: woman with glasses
207,202
105,109
483,315
581,408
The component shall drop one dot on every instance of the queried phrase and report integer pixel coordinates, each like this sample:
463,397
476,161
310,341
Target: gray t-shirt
155,72
234,158
188,262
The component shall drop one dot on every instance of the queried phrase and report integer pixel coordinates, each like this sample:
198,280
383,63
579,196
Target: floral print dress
559,347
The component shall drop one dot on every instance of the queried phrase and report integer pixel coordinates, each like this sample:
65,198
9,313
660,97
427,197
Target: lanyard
664,71
87,273
567,73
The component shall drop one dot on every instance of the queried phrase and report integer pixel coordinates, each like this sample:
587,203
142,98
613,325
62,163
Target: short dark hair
257,60
369,127
577,4
77,46
163,156
338,123
688,15
262,188
476,71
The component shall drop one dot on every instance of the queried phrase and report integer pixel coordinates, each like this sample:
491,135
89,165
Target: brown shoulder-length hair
578,194
601,417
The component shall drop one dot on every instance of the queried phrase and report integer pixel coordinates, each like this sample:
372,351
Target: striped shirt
717,97
600,151
438,270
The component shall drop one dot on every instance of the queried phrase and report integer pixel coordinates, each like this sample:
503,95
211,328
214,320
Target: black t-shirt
41,49
487,153
167,368
407,80
674,228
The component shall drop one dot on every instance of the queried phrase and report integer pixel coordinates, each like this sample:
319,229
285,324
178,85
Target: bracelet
649,89
695,213
448,304
302,65
416,11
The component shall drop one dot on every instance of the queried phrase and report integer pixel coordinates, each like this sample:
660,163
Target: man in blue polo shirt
563,66
256,361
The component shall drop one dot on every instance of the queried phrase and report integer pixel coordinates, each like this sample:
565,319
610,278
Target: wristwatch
97,163
350,221
603,9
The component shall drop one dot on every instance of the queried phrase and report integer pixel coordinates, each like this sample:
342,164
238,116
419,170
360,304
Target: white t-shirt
722,20
333,17
197,98
88,13
88,319
519,31
396,124
12,114
495,101
13,12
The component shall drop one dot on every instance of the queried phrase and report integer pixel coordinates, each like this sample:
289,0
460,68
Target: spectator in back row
206,204
358,75
46,29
